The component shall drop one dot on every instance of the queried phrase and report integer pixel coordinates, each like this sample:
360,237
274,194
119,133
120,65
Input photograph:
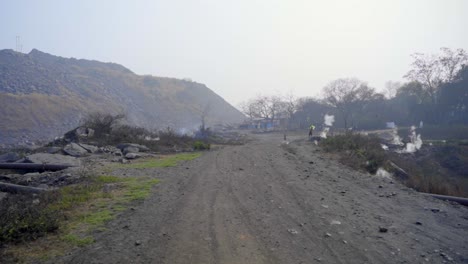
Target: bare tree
431,70
267,107
348,96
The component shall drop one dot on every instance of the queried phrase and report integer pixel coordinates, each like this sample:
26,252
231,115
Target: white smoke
414,144
324,132
329,120
396,138
383,173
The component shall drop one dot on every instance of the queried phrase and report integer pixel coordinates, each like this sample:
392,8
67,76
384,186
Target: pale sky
242,48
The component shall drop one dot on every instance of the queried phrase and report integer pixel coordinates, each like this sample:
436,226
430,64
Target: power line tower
19,46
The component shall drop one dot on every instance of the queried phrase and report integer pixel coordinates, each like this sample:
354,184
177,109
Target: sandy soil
268,202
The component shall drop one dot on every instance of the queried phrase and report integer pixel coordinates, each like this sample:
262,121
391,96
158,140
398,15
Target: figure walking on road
311,130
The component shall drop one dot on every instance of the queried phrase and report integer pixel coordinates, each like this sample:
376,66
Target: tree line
436,93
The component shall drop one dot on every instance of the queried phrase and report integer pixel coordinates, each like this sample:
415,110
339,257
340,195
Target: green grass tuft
167,161
78,241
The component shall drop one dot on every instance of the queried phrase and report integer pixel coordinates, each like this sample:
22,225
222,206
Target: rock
75,150
328,235
43,186
141,148
117,153
335,222
418,223
9,157
130,149
435,210
383,229
293,231
89,148
3,195
132,156
53,150
138,242
42,158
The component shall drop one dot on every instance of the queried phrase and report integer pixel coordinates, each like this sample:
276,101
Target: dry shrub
27,217
357,151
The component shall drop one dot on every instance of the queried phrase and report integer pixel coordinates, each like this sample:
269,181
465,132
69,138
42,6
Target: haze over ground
242,48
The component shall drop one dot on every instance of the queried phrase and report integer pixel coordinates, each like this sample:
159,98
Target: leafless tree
432,70
348,96
267,107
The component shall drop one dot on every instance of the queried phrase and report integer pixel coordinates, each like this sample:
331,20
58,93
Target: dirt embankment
268,202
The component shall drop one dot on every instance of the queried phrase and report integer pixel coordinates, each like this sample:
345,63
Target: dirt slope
270,203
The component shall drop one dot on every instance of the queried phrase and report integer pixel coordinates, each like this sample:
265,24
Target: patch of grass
78,241
161,162
98,218
139,189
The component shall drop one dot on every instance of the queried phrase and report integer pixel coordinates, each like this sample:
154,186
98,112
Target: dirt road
267,202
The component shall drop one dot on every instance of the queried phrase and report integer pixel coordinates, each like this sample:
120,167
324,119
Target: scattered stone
311,162
383,229
328,235
89,148
53,150
418,223
335,222
9,157
75,150
138,242
325,206
3,195
345,242
43,186
380,186
293,231
435,210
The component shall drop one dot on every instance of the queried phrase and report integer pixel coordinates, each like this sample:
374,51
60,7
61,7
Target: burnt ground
268,202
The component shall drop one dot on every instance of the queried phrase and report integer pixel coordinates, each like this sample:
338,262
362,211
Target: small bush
25,217
200,145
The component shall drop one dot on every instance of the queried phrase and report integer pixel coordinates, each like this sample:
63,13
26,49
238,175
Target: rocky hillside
42,96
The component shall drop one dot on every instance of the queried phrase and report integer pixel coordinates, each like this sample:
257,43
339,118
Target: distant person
311,130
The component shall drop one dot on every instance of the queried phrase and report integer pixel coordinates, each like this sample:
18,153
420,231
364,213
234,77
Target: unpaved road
264,202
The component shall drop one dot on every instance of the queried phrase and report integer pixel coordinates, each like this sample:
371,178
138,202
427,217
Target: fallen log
14,188
35,166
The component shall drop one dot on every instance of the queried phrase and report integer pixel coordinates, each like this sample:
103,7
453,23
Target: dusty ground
265,202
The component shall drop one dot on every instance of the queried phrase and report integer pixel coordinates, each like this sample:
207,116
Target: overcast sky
242,48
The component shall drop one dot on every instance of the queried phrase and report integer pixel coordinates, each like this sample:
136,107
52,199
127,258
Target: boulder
130,149
89,148
9,157
42,158
53,150
141,148
132,156
75,150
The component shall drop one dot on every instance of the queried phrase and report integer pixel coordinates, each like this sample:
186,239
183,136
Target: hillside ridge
44,95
